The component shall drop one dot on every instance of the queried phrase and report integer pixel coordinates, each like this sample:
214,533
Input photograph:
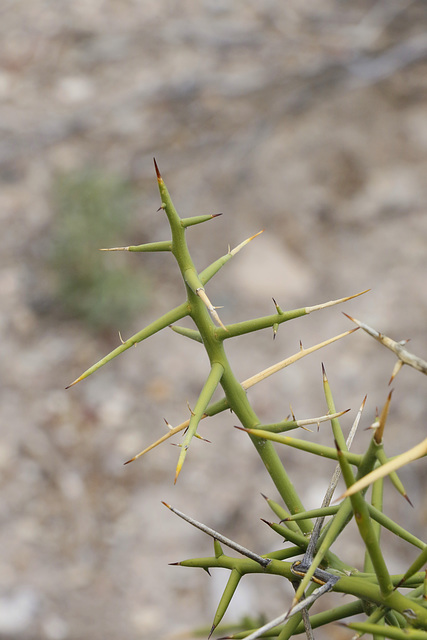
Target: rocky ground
306,120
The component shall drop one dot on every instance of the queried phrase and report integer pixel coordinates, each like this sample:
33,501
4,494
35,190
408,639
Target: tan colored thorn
397,367
331,303
243,244
190,409
250,382
115,249
204,298
416,452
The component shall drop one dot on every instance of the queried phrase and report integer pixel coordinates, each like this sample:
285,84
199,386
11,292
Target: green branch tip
154,327
164,245
206,394
189,222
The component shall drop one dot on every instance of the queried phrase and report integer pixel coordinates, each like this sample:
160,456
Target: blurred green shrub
93,210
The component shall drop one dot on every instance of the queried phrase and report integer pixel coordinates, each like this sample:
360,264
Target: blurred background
307,120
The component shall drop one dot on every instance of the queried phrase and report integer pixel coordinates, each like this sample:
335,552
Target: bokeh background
304,119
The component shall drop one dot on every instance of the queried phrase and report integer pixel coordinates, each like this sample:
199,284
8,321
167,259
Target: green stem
367,531
205,396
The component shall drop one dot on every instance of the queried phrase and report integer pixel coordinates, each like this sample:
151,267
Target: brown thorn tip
159,177
128,461
405,495
215,215
166,504
212,630
349,317
266,522
174,564
264,496
324,372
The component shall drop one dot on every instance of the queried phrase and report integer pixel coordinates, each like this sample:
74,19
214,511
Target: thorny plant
376,594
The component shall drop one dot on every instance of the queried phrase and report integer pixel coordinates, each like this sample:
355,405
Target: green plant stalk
345,513
305,445
395,528
418,593
359,587
215,350
395,620
281,513
217,548
228,593
321,512
330,559
332,615
394,600
148,247
416,565
317,620
267,322
189,222
377,615
205,396
284,554
289,535
354,583
375,514
385,631
383,459
193,334
377,503
363,521
335,423
156,326
290,627
240,405
234,392
285,425
222,404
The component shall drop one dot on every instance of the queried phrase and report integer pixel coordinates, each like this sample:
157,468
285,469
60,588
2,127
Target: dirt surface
307,120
